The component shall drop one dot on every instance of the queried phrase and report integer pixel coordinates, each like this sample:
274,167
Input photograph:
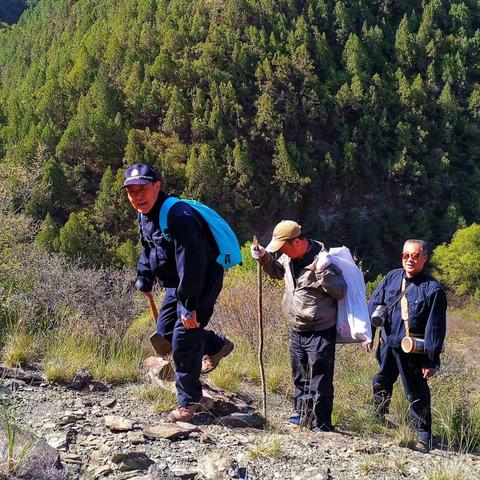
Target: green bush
458,264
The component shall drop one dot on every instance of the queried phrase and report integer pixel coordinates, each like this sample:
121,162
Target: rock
157,368
135,438
224,403
241,420
130,461
215,466
108,402
81,379
182,473
40,460
102,471
57,440
313,473
167,431
118,424
71,417
160,471
87,402
97,387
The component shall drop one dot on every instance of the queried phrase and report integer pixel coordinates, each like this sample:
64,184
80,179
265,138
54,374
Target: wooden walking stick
260,333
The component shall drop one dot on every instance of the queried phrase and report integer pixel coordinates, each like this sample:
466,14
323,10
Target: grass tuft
270,447
162,399
19,348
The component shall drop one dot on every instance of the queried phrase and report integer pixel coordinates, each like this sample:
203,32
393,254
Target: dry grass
114,360
451,470
19,348
271,446
161,399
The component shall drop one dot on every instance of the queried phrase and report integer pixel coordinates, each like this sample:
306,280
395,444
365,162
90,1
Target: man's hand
257,252
429,372
367,345
190,320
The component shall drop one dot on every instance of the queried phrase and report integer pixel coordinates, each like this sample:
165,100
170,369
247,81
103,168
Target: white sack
353,320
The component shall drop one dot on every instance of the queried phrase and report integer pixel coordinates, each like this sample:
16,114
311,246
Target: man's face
413,260
291,249
143,197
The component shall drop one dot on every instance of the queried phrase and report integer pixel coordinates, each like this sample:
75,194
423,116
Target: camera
379,316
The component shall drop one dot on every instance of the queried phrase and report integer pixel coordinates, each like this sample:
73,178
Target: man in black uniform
186,266
421,312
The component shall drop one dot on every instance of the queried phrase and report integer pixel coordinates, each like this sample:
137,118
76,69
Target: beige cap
285,230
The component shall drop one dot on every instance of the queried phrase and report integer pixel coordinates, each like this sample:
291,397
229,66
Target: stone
215,465
167,431
183,473
241,420
160,471
108,402
158,369
71,417
57,440
135,438
130,461
81,379
40,460
102,471
118,424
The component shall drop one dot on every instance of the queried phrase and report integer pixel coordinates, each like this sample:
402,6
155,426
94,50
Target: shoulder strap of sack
165,208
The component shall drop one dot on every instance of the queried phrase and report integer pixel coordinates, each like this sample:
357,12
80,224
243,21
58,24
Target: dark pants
189,345
312,356
393,362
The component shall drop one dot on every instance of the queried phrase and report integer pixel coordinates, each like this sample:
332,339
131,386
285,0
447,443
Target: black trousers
394,362
312,356
189,345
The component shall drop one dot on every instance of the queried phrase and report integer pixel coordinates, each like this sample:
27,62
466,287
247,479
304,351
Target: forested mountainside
358,118
10,10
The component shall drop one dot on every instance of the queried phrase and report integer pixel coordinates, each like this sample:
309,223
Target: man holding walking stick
186,265
312,287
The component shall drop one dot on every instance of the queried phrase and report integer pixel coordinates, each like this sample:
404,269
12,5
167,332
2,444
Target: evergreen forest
357,118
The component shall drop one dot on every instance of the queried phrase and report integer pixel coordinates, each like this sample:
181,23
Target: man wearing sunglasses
420,312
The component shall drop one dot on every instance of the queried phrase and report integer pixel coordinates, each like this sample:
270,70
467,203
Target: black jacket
187,262
427,305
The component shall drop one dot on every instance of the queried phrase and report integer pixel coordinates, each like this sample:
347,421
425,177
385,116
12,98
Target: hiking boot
422,447
210,362
183,413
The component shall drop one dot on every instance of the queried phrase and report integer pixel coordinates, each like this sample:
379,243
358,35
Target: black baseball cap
140,174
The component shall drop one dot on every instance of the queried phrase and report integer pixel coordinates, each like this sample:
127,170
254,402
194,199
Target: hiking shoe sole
210,362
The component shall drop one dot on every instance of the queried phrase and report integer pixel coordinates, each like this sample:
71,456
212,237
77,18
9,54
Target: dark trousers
189,345
394,362
312,356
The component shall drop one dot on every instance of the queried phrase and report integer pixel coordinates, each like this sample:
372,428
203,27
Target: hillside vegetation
359,118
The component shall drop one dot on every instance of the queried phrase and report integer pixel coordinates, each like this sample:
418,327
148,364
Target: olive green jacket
310,300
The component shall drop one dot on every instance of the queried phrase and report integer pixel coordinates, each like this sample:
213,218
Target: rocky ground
108,433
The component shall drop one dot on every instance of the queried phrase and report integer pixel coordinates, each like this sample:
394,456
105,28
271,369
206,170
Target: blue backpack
224,236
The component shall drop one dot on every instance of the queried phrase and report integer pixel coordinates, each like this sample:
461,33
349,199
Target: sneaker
295,420
321,430
210,362
183,413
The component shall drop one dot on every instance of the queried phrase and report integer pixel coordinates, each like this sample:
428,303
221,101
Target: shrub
458,264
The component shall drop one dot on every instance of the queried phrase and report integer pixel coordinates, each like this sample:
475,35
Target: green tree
48,236
458,264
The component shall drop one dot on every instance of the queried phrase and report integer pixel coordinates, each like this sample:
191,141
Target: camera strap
399,296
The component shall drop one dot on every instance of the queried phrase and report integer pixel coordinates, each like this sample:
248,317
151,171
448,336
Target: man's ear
158,185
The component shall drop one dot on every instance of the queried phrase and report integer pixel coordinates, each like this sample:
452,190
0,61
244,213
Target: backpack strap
163,216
